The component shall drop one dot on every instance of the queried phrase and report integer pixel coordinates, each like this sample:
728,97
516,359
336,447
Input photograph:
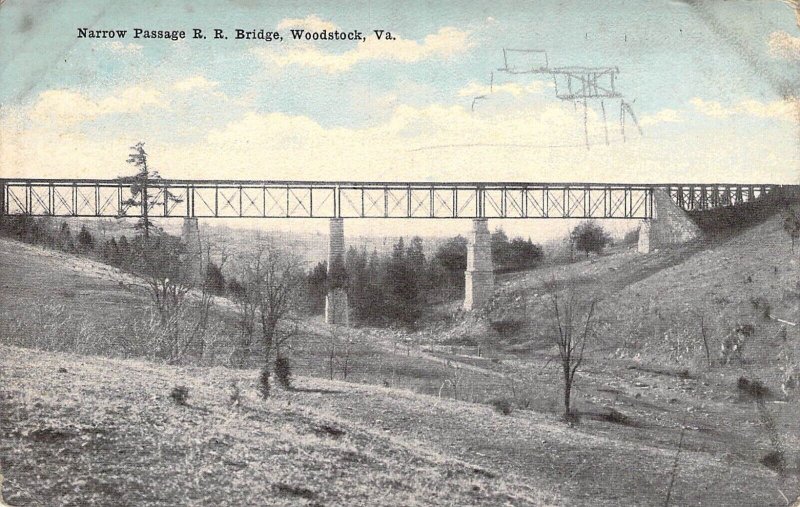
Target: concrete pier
193,256
670,225
336,307
479,277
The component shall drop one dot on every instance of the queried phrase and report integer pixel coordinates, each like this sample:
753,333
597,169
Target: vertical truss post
546,201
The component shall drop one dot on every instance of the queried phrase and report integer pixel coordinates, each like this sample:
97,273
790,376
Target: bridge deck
332,199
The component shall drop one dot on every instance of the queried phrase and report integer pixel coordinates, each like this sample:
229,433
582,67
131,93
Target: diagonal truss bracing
304,199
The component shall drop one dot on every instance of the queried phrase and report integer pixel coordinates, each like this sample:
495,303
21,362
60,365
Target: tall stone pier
479,281
670,225
336,308
193,257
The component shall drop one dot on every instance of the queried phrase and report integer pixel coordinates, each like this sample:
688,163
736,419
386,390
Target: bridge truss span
299,199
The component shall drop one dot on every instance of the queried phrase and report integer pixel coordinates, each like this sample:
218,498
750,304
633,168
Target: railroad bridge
660,207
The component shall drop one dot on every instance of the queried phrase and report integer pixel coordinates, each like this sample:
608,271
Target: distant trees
589,237
449,264
394,288
514,255
214,279
316,288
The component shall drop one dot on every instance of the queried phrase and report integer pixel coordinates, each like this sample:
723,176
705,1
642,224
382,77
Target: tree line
394,288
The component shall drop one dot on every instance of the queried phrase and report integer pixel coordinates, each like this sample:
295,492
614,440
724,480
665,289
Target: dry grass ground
91,431
651,368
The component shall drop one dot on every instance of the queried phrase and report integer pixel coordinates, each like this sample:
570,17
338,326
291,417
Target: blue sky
712,83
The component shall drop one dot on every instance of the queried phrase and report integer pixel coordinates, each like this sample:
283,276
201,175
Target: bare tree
572,320
273,280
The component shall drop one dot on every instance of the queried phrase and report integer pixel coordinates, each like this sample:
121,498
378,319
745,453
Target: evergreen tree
215,280
85,239
142,195
317,283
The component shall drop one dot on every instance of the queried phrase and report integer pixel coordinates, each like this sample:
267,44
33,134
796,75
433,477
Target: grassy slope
597,462
103,431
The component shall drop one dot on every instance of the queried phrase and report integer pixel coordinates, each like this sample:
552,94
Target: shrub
733,347
180,395
502,406
616,417
283,372
263,383
761,305
774,460
752,388
236,395
506,327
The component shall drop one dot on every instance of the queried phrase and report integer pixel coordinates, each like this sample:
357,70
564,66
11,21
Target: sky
712,84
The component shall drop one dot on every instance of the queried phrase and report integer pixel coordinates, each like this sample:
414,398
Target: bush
752,388
85,239
283,372
616,417
263,383
506,327
180,395
502,406
775,460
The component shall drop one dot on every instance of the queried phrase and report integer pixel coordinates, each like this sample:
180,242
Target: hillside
80,431
645,395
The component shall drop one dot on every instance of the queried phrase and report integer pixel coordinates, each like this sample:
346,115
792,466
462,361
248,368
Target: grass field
646,388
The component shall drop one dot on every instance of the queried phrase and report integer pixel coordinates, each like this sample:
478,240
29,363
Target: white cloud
473,88
195,83
783,45
312,22
67,107
120,48
445,43
663,116
780,109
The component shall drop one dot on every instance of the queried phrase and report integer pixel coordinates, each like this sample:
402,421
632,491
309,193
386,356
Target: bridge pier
479,277
336,307
193,257
670,225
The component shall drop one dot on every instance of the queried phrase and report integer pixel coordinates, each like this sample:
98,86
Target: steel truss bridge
337,199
